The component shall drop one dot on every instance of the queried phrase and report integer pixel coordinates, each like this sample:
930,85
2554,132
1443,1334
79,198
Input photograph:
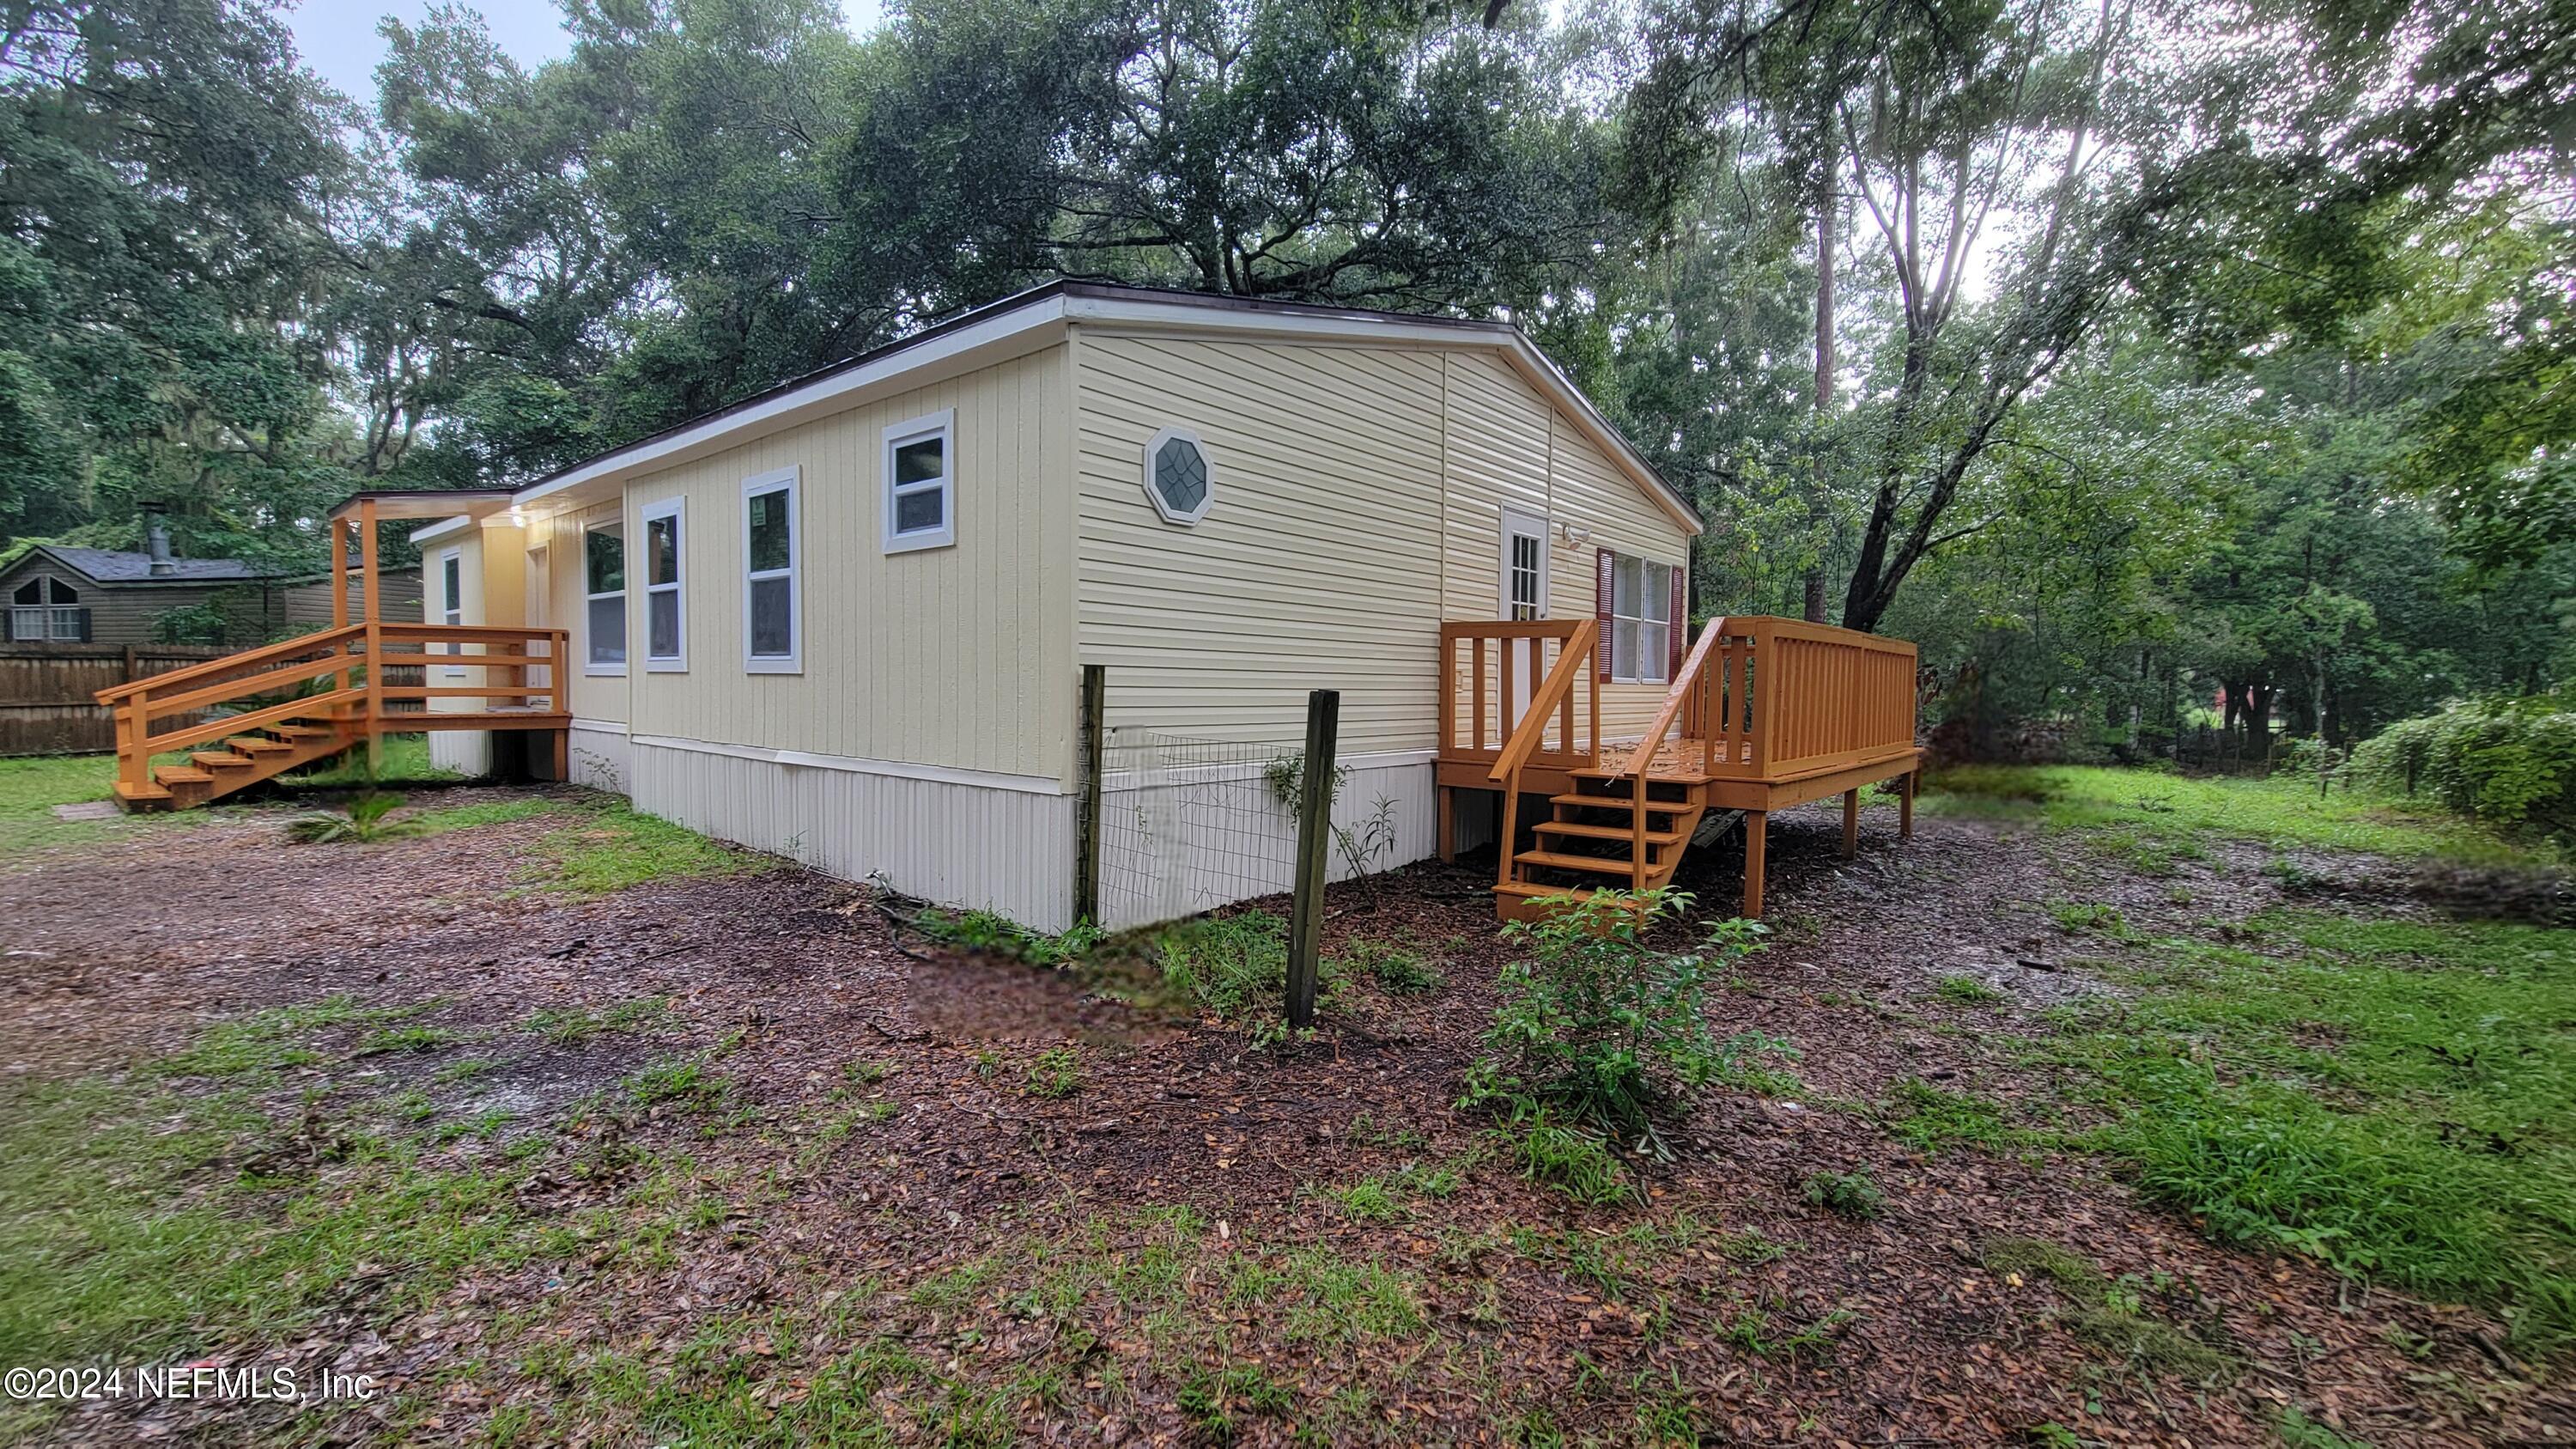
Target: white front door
1523,595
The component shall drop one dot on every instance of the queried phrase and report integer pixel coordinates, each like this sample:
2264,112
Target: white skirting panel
1178,842
600,757
467,752
957,844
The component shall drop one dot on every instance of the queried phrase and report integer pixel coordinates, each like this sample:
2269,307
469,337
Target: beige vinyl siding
958,657
1317,565
1359,500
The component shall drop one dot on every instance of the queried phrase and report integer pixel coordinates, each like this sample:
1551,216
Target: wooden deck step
182,775
258,745
1665,776
299,732
215,761
1622,803
134,794
1594,864
1606,832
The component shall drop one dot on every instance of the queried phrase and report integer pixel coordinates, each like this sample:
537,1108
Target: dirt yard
565,1129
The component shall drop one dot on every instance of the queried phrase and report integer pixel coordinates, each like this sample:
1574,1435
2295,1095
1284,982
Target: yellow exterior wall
1358,503
957,657
594,697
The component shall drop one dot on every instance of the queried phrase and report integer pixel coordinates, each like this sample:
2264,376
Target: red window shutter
1605,583
1680,616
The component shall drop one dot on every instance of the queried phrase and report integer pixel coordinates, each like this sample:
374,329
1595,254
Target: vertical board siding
937,657
962,845
601,759
467,752
593,697
1317,565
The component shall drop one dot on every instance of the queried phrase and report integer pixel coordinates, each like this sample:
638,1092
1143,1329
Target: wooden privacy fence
48,703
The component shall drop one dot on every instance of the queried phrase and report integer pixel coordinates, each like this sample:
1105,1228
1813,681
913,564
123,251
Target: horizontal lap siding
956,657
1318,565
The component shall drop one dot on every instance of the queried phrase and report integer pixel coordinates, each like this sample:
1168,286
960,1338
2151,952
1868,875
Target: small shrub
2512,764
1396,970
1853,1195
1602,1032
365,823
1057,1073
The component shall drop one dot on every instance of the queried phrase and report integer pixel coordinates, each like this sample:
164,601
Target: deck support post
1905,805
1448,797
1851,822
1314,829
375,700
1757,827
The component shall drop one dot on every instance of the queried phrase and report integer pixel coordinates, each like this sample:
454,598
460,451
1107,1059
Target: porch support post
1905,805
1851,822
1756,827
374,702
1448,797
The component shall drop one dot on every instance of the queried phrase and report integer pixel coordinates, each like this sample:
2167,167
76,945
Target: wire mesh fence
1187,825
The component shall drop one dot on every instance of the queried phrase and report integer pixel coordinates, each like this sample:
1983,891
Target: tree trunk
1824,394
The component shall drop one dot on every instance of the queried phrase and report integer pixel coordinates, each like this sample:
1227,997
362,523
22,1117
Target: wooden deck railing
1779,699
1550,704
1487,667
356,677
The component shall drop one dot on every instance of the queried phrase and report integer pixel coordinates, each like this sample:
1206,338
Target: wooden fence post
1095,737
1314,829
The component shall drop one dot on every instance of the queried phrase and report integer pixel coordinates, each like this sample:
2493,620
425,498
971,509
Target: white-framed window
773,604
451,600
666,604
1641,621
1179,478
920,483
603,583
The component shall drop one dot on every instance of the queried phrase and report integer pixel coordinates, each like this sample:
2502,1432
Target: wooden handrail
1543,705
230,662
1674,698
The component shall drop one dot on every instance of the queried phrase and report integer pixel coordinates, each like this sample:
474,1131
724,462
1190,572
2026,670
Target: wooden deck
1764,714
260,713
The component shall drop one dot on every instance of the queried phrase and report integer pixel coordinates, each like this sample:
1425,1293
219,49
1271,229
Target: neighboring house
59,594
846,619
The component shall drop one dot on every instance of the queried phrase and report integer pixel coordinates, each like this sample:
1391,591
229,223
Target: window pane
1623,596
31,592
1623,649
662,624
608,630
1180,475
1659,591
65,593
769,540
919,462
604,564
915,512
451,583
67,624
771,634
1652,656
662,550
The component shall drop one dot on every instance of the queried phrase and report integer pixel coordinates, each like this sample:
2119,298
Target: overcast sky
338,37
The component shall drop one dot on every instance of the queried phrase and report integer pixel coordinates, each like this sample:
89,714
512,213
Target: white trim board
852,764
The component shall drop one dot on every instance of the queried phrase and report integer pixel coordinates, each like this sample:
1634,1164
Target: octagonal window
1179,479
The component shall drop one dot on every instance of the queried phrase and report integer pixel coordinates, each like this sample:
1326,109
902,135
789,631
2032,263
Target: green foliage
997,935
368,821
570,1026
612,846
1854,1195
2511,765
1398,970
1966,991
2386,1097
2111,1315
1570,1159
1056,1073
1235,968
1602,1032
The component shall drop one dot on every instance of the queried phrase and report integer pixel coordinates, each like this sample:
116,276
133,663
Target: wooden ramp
1764,713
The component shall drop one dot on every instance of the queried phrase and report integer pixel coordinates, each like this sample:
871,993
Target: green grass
2115,1316
2390,1097
565,1026
1966,991
2151,820
610,846
30,789
488,812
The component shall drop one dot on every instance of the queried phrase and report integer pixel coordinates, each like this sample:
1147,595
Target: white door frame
1525,666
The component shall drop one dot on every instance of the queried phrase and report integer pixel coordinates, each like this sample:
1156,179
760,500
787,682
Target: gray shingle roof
109,566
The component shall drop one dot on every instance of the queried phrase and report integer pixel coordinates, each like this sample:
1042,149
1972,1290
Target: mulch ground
131,950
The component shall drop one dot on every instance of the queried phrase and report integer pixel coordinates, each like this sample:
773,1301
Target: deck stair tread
256,745
1558,860
1654,805
131,792
217,760
1607,832
182,775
